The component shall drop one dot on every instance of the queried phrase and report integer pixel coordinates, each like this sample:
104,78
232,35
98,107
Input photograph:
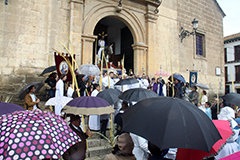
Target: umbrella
202,86
110,95
24,91
137,94
224,129
127,81
48,70
233,156
6,108
88,106
232,98
89,70
34,135
58,101
162,73
178,77
171,123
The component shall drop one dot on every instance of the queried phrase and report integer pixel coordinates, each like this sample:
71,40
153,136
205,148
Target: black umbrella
232,98
24,91
110,95
137,94
48,70
127,81
171,123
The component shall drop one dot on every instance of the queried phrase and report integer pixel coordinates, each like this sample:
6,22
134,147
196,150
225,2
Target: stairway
97,148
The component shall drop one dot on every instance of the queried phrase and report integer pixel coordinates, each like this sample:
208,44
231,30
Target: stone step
97,142
101,157
98,151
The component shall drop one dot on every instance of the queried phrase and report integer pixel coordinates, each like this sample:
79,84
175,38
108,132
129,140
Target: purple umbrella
6,108
34,135
88,106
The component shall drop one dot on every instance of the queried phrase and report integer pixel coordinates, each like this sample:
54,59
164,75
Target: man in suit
78,150
30,100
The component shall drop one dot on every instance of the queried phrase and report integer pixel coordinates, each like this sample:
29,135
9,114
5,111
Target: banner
62,66
193,78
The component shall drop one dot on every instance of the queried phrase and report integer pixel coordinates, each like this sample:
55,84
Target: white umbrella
58,101
202,86
89,70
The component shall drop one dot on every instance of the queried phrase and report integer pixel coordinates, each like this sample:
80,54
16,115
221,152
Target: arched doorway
120,36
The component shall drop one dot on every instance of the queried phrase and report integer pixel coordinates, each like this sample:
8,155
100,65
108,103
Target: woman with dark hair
81,84
204,99
60,92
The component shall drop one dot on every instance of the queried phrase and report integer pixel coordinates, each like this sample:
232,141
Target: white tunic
94,120
70,92
105,82
59,93
101,43
140,149
144,83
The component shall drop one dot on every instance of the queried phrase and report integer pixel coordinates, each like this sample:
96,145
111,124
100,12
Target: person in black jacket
78,150
118,118
51,81
214,109
81,84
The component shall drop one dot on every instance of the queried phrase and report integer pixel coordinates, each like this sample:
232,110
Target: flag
62,66
193,78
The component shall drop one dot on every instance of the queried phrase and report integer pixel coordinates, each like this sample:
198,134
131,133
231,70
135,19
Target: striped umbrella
88,106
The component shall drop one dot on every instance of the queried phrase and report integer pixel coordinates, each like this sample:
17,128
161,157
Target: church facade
31,28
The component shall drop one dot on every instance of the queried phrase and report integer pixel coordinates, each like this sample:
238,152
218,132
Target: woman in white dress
60,92
94,120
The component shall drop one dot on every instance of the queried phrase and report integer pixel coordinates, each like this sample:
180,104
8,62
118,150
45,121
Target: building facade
29,29
232,63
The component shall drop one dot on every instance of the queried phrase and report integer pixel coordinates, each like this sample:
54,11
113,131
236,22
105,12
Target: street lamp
184,33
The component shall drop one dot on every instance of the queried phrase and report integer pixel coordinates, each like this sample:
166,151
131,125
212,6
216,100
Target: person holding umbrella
30,100
77,151
178,89
194,96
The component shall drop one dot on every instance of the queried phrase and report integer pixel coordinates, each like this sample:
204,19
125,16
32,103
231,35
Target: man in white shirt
30,100
140,149
94,120
106,79
144,82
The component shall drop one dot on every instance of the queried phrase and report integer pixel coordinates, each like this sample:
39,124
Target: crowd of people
129,145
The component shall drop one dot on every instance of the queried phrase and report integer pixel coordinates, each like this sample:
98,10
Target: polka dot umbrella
34,135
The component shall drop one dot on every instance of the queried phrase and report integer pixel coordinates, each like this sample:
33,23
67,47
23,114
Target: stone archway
133,23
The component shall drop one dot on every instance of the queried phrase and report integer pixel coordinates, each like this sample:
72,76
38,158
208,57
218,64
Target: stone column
87,48
140,51
151,18
75,27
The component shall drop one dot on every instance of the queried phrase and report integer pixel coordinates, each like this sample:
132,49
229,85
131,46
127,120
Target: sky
231,22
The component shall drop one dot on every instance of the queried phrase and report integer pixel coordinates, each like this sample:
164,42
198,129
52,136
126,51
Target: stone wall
30,28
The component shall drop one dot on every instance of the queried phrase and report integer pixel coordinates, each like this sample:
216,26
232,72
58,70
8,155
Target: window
226,74
237,52
200,44
237,73
225,55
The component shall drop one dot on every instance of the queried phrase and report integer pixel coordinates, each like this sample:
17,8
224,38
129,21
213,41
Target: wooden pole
100,80
232,82
173,93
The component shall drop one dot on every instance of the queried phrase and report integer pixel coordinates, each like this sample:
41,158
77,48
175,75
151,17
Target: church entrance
117,34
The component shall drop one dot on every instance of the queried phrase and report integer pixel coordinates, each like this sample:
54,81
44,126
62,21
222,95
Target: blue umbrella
179,77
